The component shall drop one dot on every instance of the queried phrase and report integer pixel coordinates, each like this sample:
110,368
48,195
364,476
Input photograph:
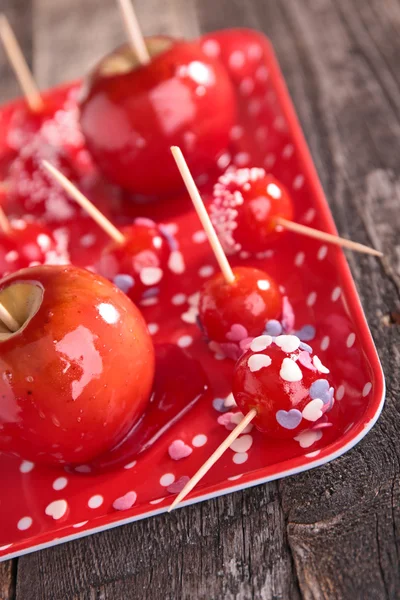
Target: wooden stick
21,69
214,457
7,319
90,208
203,215
327,237
134,32
4,222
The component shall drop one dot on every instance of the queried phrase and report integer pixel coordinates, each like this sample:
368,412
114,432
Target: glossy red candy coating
131,119
25,243
76,378
249,302
139,264
33,190
277,381
26,124
245,206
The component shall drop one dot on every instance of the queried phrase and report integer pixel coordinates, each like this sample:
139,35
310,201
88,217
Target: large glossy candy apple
78,372
132,114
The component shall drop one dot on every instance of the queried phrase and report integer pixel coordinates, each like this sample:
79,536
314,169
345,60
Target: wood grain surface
332,533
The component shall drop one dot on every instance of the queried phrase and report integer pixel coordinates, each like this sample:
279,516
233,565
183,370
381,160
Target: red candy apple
245,207
132,114
27,242
285,383
231,313
138,265
78,373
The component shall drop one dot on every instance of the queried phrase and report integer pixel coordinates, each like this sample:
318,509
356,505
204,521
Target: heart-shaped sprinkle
304,359
289,419
287,343
236,333
124,282
319,366
56,509
176,262
229,401
237,418
178,485
178,450
273,327
306,333
320,389
308,438
312,411
290,371
260,343
226,421
190,316
125,502
242,443
150,275
258,361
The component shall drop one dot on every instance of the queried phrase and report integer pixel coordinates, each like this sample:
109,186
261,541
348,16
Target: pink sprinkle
321,426
245,344
178,450
178,485
305,360
226,421
125,502
287,315
237,333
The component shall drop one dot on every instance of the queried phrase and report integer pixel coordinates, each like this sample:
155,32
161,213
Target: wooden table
333,532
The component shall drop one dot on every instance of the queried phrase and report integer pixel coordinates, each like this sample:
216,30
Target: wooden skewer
21,69
7,319
134,32
326,237
4,222
214,457
203,215
88,206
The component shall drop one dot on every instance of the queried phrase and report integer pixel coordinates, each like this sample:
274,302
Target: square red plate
41,507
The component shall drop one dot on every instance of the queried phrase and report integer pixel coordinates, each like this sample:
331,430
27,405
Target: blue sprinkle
306,347
151,292
273,327
218,404
306,333
172,243
320,389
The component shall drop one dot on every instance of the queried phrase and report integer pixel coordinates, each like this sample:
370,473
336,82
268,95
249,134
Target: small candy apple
77,374
132,114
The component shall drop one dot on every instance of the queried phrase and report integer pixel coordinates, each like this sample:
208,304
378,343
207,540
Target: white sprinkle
199,440
185,341
236,60
319,366
124,282
258,361
366,389
153,328
176,263
56,509
26,466
190,316
24,523
167,479
242,443
350,340
340,392
312,454
229,401
234,477
260,343
263,284
288,343
178,299
95,501
130,465
290,371
78,525
206,271
149,301
298,182
312,411
60,483
325,342
311,298
274,191
308,438
299,259
336,294
199,236
109,313
151,275
240,458
322,252
88,240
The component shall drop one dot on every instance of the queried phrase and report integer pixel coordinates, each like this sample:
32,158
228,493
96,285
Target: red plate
41,507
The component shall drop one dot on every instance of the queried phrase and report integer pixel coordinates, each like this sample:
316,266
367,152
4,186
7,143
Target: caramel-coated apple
131,114
78,373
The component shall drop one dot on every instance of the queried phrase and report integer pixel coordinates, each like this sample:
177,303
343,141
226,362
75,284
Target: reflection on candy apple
78,373
132,114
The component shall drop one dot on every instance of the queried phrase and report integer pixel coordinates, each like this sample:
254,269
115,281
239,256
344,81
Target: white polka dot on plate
367,388
240,457
322,252
288,150
153,328
149,301
236,132
299,259
236,60
255,52
254,107
211,48
350,340
24,523
26,466
325,342
185,341
339,392
262,73
309,216
269,160
130,465
95,501
199,236
60,483
178,299
242,444
246,86
298,182
199,440
311,299
336,294
206,271
167,479
241,159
